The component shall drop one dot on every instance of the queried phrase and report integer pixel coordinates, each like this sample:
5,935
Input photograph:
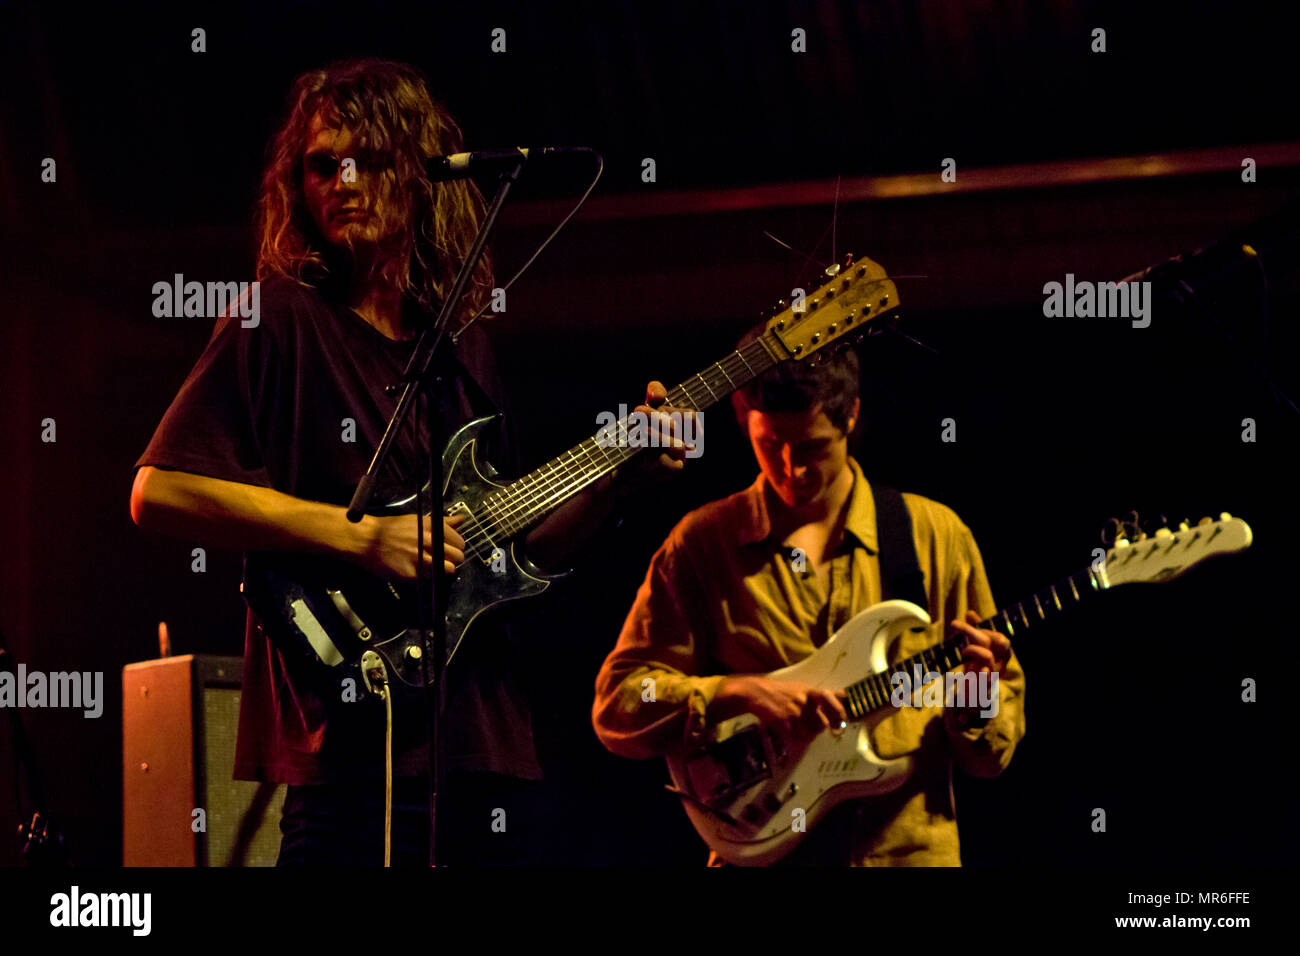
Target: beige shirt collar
756,525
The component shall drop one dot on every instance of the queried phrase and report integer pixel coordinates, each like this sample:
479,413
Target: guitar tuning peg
1184,525
1111,531
1205,521
1156,526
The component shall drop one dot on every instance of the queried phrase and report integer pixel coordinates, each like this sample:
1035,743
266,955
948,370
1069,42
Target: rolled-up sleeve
649,698
983,749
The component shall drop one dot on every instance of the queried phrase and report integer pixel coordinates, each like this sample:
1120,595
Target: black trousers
484,819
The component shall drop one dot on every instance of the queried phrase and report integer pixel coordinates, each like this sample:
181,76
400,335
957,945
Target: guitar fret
876,690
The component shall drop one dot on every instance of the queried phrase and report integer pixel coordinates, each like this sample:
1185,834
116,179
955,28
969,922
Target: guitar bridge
734,759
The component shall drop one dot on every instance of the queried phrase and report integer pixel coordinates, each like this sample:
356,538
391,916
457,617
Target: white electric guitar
744,797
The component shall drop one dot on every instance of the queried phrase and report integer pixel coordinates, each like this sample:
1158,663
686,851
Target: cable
388,779
375,675
600,168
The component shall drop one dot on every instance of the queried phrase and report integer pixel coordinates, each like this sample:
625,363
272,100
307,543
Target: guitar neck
526,501
874,692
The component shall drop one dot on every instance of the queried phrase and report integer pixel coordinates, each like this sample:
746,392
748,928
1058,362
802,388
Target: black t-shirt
298,403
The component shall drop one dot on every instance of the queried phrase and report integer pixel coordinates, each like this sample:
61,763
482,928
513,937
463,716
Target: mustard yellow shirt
721,597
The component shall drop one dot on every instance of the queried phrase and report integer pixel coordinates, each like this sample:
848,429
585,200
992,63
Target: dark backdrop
1133,704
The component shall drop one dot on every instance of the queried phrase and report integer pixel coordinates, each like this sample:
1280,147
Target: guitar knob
1224,516
413,654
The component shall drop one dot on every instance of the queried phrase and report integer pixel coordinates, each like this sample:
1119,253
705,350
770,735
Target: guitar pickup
316,635
484,550
734,760
341,605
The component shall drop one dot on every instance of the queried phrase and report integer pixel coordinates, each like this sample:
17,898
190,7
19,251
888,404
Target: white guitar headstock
1168,553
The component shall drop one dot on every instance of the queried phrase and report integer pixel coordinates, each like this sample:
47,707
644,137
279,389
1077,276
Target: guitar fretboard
524,502
874,692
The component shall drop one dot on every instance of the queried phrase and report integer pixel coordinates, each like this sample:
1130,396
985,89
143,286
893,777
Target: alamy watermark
926,689
82,690
1098,300
636,430
77,909
208,300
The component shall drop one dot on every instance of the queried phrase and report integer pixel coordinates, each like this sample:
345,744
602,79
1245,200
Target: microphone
459,165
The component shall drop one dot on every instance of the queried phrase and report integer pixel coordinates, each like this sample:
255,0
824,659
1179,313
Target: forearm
566,529
650,710
237,516
983,747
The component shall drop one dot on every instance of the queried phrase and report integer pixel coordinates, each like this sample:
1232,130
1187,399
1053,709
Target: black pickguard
290,593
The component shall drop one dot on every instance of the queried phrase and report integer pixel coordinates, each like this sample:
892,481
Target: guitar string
873,690
559,474
549,473
511,512
535,494
505,512
556,481
541,481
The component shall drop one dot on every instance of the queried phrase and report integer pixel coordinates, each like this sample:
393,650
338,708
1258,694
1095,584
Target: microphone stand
415,378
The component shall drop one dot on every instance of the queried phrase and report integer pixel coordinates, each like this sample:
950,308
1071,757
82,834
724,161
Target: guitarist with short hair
759,580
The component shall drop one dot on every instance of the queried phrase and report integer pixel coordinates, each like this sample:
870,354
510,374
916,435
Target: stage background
1134,704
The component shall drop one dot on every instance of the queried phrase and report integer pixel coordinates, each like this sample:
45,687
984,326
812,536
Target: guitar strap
900,574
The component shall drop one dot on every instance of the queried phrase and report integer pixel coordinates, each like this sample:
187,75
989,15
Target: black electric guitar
328,613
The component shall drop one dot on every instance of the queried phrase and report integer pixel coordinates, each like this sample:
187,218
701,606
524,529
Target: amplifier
180,806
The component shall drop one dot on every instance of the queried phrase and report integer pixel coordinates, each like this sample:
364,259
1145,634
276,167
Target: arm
648,697
566,529
570,526
238,516
983,748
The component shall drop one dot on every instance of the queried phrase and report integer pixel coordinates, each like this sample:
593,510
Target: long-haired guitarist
269,434
759,580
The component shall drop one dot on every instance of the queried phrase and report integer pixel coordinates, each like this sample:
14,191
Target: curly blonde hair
388,107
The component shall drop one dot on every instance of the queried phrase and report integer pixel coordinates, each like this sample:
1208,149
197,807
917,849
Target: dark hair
799,386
